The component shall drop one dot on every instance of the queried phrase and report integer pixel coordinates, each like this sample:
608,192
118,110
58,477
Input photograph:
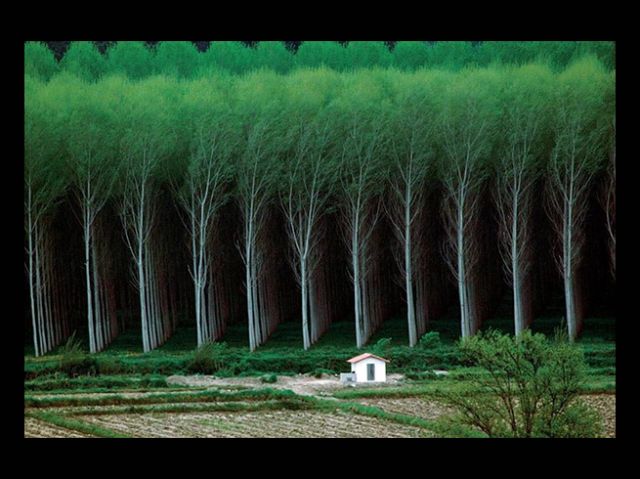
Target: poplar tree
133,59
411,153
525,113
307,189
361,177
410,55
84,61
39,61
574,161
177,59
321,54
145,142
232,57
466,124
260,96
93,163
44,184
204,191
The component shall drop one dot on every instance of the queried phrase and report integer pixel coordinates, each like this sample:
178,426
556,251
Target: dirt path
301,384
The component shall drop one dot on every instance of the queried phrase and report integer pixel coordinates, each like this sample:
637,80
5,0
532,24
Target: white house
369,368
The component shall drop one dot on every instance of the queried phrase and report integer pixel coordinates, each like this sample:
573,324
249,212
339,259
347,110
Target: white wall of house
360,368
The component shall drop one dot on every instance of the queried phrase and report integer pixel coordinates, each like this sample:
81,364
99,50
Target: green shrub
429,340
207,359
421,375
269,378
318,372
529,387
382,346
74,361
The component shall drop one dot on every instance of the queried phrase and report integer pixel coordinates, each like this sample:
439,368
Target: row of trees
138,60
307,150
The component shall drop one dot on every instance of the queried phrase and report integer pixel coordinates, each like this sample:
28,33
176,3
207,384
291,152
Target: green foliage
83,60
319,372
179,59
74,361
39,61
366,54
103,382
182,59
269,378
208,359
429,340
529,388
75,424
382,347
132,59
321,54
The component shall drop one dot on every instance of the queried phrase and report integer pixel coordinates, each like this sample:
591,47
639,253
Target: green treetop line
138,60
293,149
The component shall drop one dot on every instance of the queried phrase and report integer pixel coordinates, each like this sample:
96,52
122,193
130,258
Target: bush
382,346
429,340
74,361
529,388
421,375
207,359
269,378
318,372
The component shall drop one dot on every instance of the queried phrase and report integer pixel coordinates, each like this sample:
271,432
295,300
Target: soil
36,428
605,404
301,384
275,423
272,424
420,407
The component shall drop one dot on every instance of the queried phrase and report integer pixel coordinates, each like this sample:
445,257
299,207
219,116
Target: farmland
131,394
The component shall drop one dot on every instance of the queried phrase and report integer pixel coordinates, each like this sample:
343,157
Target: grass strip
74,424
161,398
271,405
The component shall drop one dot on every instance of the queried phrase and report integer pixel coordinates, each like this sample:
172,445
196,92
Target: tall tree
145,142
361,180
411,153
608,200
39,61
93,164
466,126
44,184
84,60
133,59
574,160
525,114
303,200
203,193
179,59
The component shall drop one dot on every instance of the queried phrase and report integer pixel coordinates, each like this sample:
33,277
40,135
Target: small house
368,368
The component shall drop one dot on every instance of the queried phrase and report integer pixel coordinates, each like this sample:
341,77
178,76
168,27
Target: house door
371,372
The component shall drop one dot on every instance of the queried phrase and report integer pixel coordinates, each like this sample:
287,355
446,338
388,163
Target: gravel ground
605,404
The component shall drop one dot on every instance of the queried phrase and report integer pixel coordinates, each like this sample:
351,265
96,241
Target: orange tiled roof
359,358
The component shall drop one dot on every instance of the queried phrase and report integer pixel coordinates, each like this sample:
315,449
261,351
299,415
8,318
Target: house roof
357,359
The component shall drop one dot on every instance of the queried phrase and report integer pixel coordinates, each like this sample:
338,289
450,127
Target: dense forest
92,60
166,186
